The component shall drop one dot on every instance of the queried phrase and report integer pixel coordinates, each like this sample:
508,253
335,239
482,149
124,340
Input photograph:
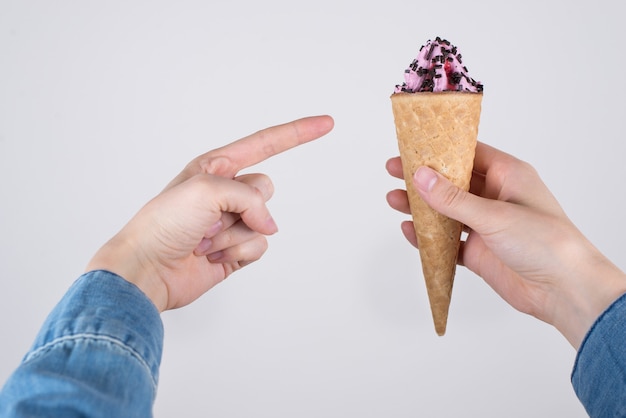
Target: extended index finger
228,160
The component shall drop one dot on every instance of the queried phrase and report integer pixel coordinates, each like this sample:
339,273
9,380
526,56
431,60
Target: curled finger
240,255
260,181
236,234
394,167
399,201
408,230
227,220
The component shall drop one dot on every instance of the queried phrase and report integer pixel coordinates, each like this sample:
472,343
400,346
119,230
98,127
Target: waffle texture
438,130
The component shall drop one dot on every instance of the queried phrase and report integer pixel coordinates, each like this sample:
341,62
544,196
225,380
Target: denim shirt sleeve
97,354
599,374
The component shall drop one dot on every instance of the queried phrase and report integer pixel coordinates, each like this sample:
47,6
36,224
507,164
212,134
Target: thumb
446,198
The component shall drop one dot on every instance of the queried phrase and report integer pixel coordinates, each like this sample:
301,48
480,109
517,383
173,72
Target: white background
102,103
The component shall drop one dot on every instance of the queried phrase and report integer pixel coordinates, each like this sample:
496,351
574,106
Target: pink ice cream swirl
438,67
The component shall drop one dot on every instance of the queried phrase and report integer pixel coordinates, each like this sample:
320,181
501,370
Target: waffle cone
438,130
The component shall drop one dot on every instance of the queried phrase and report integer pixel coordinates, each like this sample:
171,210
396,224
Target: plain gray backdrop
103,102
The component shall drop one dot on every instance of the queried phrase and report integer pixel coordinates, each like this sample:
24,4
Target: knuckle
513,168
523,168
269,189
198,181
219,165
452,196
259,198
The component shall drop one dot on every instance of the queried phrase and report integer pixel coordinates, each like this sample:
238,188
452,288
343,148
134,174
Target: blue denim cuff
599,373
101,304
97,355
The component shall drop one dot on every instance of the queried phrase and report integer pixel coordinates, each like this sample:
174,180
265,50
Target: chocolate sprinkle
430,53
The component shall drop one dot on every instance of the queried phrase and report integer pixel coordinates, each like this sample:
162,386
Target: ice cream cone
439,130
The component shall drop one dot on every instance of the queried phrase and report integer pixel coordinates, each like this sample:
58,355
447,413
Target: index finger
486,156
228,160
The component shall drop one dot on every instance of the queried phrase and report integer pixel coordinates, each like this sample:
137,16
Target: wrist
592,285
123,257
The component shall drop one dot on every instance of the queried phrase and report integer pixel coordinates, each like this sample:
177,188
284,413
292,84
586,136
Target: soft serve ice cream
438,67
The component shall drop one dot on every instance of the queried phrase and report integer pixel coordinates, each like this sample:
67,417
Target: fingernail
203,247
425,179
272,224
215,228
216,256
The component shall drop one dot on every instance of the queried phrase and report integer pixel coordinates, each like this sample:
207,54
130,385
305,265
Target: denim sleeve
96,355
599,374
